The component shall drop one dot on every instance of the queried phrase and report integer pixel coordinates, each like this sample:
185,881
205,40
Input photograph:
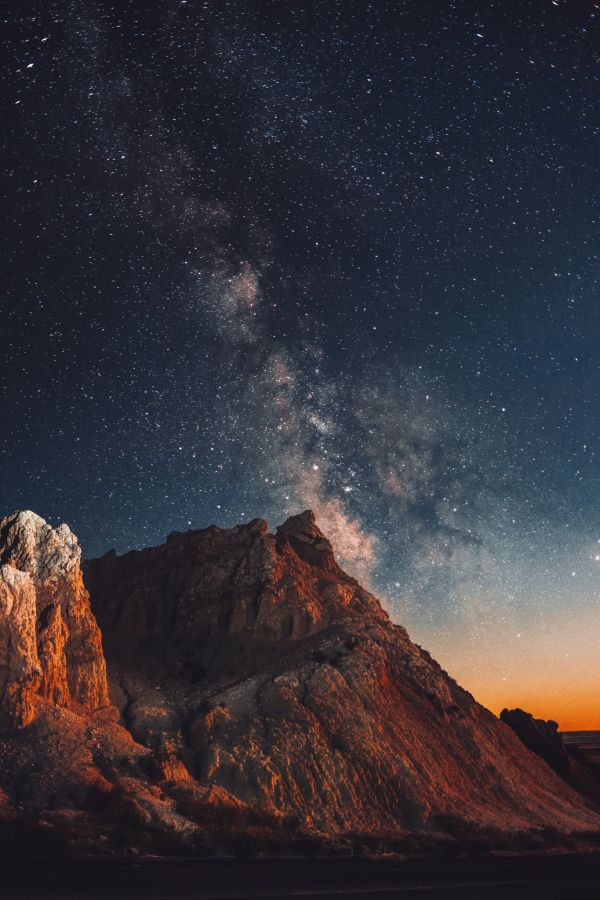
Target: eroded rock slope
270,674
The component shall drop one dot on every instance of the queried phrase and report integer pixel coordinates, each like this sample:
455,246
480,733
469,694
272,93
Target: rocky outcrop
264,698
541,737
50,643
282,683
20,670
217,582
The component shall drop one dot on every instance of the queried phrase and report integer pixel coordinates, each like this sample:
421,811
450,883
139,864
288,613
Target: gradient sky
260,256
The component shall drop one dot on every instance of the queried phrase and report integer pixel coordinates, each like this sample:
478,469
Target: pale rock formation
59,651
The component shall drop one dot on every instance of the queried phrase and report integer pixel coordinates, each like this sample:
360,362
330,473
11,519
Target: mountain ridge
259,697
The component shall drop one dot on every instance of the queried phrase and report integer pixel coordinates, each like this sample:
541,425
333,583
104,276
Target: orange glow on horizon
551,670
571,709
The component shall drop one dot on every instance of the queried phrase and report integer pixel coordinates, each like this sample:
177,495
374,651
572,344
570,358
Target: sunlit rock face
50,644
280,682
20,670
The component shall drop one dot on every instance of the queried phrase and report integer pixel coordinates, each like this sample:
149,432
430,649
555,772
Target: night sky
263,256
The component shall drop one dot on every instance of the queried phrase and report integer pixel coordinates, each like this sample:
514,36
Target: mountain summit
257,694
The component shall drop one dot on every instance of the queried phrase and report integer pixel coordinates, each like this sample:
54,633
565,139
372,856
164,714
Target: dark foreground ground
522,878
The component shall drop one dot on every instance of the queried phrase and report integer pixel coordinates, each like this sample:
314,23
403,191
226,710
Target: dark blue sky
263,256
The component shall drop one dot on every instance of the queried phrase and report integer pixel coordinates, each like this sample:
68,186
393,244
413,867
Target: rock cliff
263,699
20,670
50,643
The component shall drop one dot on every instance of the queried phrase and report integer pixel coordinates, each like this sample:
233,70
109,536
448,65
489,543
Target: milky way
261,257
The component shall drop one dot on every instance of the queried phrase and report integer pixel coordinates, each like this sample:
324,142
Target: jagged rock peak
308,541
50,644
20,670
244,529
303,523
30,544
245,579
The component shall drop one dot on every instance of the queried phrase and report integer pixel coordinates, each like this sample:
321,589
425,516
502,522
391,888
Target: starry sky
261,256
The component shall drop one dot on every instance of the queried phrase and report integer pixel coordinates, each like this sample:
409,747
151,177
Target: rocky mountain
50,643
260,700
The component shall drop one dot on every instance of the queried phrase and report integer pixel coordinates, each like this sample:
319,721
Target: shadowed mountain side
568,760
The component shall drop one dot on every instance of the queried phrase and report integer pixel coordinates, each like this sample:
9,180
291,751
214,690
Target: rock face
20,670
277,679
50,643
541,737
225,582
265,700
